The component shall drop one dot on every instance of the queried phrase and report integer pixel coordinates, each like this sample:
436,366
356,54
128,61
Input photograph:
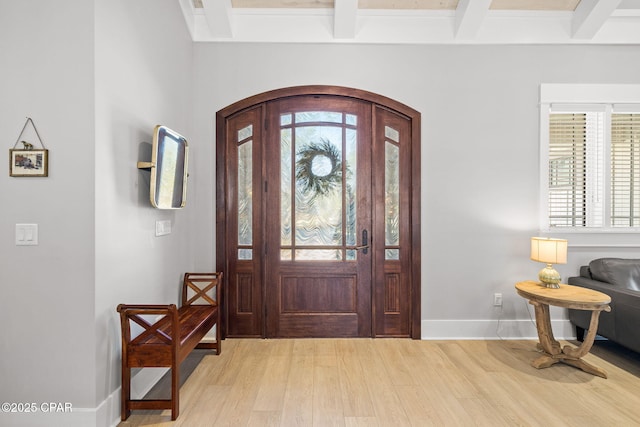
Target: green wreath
319,168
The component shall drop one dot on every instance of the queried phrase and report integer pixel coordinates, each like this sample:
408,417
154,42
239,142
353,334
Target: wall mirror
168,166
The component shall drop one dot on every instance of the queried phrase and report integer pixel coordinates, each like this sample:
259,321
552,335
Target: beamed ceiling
415,21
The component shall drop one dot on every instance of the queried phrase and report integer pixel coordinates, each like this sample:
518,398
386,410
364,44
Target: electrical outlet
497,299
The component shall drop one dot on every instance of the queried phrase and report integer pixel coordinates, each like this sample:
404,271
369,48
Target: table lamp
549,251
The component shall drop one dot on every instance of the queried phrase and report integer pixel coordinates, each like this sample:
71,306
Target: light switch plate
163,227
26,234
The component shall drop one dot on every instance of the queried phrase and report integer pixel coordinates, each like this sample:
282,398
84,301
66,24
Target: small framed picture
28,162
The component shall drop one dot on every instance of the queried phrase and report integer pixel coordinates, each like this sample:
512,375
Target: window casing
592,166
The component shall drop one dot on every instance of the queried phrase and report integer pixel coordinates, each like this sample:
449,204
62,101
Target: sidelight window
245,192
392,193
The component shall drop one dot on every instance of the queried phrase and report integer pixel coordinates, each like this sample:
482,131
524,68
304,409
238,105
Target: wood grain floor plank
356,398
273,383
297,407
386,402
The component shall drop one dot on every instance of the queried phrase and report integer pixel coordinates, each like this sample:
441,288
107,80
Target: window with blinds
625,170
594,168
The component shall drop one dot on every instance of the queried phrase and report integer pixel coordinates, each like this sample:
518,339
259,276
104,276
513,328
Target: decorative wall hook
28,146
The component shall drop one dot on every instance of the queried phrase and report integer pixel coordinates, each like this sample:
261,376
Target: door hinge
266,124
265,186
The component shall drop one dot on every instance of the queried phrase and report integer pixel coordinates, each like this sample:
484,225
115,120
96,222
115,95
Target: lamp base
549,277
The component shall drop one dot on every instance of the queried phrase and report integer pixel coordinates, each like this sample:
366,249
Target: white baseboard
76,417
491,329
107,414
141,383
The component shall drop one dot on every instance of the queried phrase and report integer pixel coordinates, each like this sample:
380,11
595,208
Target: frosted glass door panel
245,192
318,197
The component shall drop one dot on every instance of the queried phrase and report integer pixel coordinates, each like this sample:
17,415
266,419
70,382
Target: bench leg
126,392
175,389
218,337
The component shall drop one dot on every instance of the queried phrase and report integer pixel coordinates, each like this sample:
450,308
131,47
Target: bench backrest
199,288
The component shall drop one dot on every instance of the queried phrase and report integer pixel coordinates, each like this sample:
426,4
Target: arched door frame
375,99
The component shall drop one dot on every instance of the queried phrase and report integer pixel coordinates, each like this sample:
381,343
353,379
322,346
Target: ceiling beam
345,13
469,17
218,14
590,16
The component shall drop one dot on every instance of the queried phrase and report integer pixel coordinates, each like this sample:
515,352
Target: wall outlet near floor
497,299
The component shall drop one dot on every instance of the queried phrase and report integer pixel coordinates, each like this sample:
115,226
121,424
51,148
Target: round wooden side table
569,297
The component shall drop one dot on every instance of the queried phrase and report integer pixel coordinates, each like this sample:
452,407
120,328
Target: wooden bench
168,340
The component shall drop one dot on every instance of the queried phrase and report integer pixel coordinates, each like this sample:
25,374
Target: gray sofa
620,279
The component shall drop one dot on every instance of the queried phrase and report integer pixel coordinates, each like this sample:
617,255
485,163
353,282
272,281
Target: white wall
143,78
480,167
96,77
47,345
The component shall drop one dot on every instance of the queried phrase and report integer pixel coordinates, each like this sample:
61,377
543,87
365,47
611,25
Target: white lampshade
550,251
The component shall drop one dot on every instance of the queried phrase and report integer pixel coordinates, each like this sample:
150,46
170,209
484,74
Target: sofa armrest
581,318
619,324
585,272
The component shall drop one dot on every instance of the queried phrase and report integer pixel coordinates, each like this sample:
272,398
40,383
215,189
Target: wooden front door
318,269
317,197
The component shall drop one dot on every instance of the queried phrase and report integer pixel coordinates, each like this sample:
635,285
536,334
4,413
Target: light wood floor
401,382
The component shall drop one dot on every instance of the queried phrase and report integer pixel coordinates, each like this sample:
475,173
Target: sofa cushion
617,271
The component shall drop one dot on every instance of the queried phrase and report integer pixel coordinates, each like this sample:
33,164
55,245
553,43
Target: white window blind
575,169
625,170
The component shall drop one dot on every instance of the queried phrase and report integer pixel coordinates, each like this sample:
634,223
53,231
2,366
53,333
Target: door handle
365,242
